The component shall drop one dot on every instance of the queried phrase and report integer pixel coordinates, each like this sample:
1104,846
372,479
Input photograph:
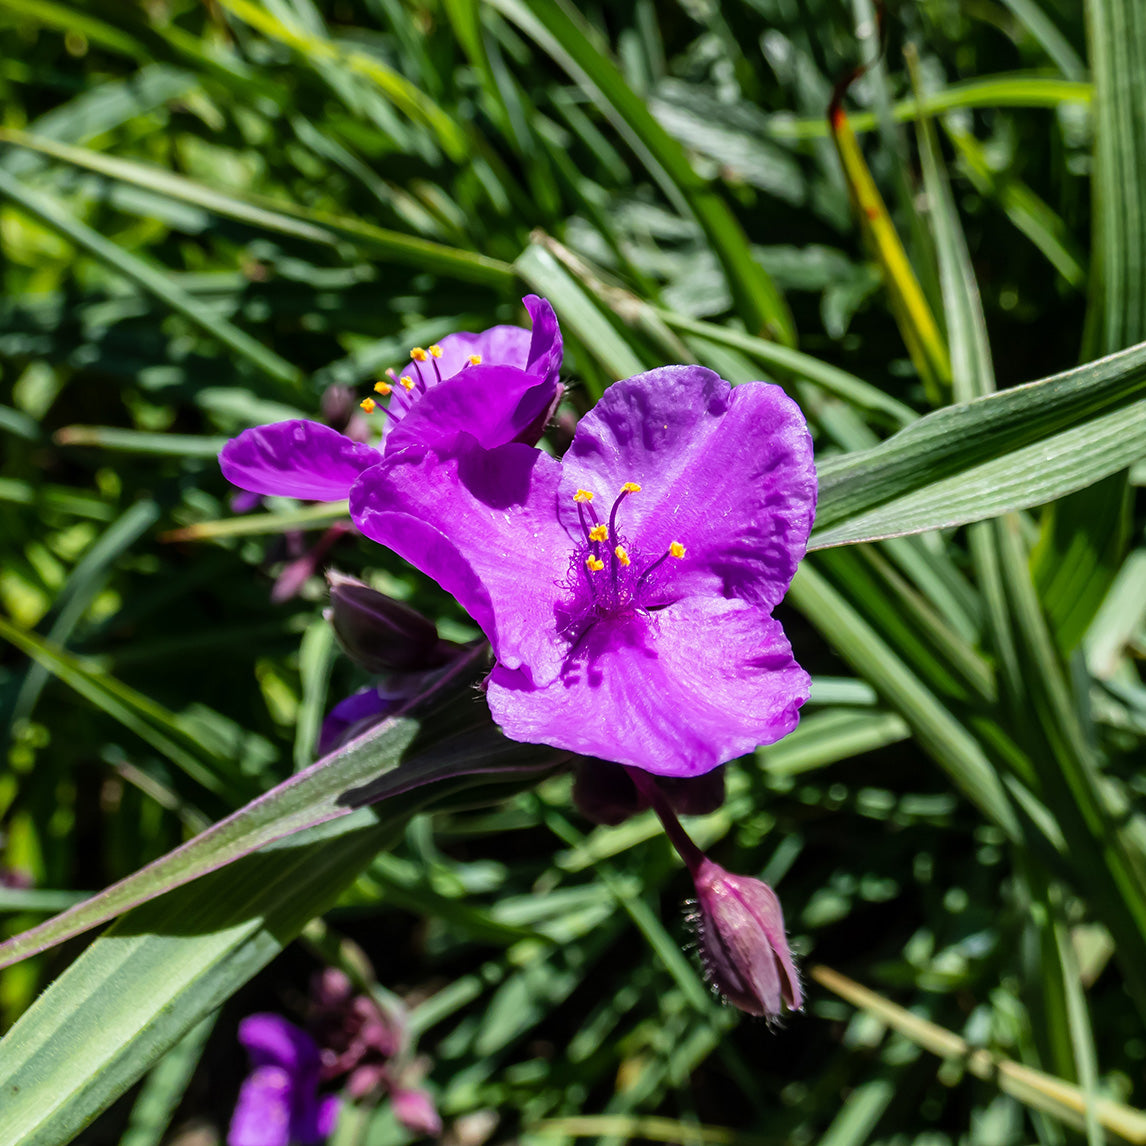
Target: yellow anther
475,359
418,354
630,487
407,382
599,533
436,351
582,495
368,404
382,388
595,564
676,549
622,556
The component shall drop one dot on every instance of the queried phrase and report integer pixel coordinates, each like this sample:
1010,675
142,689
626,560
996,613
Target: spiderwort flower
500,386
278,1102
626,590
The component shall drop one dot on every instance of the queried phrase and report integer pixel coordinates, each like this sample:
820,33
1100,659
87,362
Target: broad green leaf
951,442
391,758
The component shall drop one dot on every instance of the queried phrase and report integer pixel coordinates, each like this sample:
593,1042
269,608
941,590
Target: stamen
622,556
391,374
582,495
599,533
676,549
630,487
475,359
408,383
594,564
382,388
436,350
368,405
418,354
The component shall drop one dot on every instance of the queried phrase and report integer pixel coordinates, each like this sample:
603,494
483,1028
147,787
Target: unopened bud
381,634
416,1111
742,942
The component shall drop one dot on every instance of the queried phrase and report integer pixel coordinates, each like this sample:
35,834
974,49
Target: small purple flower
627,590
500,386
278,1102
742,942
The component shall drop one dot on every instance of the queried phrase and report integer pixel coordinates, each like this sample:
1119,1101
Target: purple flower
742,942
627,590
500,386
278,1102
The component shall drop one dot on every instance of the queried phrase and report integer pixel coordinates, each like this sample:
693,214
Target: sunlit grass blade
404,95
148,279
150,721
1034,1088
938,731
988,92
258,524
277,216
758,301
912,311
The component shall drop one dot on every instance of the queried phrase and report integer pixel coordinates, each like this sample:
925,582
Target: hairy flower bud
742,942
381,634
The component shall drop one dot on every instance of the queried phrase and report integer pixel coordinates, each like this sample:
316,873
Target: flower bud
416,1111
742,942
381,634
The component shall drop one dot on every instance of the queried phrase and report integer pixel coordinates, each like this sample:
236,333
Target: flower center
411,381
611,576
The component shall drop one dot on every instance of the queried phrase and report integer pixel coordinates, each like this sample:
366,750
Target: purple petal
497,346
328,1110
545,347
350,717
495,404
296,459
676,692
483,524
726,472
273,1041
263,1113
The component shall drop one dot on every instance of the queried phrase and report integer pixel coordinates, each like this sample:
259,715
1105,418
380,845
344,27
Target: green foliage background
219,214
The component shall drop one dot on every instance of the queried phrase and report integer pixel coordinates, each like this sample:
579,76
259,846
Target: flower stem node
742,942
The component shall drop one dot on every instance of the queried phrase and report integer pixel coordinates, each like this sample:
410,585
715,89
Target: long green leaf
363,771
955,440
